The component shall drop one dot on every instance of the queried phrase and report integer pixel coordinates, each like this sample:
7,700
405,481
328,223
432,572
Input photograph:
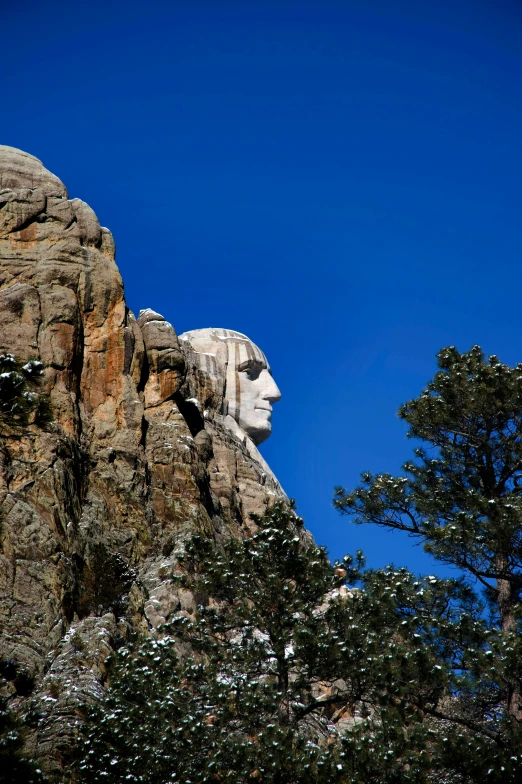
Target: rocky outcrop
93,507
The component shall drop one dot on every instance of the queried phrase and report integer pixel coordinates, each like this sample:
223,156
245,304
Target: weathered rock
166,364
18,169
138,456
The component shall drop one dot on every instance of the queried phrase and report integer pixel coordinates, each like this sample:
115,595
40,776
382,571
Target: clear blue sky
339,180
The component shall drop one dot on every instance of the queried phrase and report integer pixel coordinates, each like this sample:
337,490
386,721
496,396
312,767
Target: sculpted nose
271,392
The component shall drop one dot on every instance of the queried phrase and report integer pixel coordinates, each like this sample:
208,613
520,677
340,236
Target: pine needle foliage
15,768
20,403
461,496
294,671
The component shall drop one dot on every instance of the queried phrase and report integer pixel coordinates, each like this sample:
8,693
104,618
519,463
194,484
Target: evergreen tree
19,405
462,497
19,401
231,706
15,768
284,676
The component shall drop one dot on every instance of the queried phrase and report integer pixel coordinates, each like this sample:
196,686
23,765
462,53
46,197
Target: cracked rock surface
94,506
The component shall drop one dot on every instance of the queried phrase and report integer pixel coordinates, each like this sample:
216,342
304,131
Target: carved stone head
240,376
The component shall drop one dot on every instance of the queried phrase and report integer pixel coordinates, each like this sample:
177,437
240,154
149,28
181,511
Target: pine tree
15,768
20,404
231,706
19,401
461,496
283,674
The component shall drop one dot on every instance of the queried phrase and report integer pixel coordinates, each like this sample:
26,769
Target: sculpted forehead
226,345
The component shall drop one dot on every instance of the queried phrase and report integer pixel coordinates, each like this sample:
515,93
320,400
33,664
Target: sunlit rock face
153,439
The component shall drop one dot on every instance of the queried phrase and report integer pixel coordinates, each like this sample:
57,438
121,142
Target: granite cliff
137,457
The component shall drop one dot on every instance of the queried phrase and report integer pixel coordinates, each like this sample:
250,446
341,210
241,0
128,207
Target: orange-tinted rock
92,506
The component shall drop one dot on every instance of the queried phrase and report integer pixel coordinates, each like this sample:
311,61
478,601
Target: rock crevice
94,505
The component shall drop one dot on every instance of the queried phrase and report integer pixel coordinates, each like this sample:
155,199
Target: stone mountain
146,447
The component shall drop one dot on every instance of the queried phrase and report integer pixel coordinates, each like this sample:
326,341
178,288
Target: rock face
141,453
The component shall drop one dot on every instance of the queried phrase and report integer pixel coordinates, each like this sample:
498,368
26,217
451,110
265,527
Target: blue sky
339,180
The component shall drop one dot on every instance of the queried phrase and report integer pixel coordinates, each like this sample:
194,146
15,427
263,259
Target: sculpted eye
253,372
251,368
